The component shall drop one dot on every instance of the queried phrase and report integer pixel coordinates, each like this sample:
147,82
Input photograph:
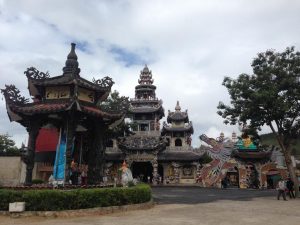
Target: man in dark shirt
290,187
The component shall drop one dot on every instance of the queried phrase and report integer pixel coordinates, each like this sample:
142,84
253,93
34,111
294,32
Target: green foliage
268,97
50,200
270,140
115,103
271,96
7,146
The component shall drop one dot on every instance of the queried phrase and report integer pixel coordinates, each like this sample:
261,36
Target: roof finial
177,108
71,62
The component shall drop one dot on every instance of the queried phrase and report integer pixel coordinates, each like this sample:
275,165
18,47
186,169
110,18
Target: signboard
86,95
57,92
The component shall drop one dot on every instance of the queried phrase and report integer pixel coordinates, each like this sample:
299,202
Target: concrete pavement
178,206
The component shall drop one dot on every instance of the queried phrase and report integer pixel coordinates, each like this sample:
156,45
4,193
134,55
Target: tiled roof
178,116
98,112
167,128
254,155
34,108
63,79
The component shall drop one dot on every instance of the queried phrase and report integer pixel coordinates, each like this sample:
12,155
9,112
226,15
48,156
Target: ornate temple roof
137,142
145,100
146,77
20,109
252,155
186,128
37,79
178,116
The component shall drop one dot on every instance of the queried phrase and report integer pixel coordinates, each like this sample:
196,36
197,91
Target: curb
81,212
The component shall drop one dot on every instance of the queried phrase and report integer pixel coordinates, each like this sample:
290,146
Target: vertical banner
60,158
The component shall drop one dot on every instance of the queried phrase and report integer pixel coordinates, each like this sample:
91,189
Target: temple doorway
273,177
142,171
233,177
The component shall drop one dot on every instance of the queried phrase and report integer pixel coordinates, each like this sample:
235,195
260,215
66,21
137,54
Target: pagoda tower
178,130
141,149
67,102
146,109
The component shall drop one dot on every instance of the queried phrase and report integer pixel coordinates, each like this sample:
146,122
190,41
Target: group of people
78,174
284,187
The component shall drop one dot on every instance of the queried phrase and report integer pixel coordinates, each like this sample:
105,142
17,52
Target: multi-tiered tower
179,130
142,149
146,109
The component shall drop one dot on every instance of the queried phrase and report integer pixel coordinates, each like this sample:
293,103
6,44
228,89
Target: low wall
11,170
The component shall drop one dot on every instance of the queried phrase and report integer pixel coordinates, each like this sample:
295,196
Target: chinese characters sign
57,92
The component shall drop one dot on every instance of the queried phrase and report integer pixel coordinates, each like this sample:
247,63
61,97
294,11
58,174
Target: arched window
178,142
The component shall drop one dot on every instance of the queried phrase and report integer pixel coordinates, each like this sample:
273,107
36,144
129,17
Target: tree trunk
291,169
288,161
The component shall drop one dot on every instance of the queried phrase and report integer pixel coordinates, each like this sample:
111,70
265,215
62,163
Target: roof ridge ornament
104,82
177,107
12,94
33,73
146,76
71,65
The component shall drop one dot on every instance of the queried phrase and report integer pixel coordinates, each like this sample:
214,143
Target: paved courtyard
192,205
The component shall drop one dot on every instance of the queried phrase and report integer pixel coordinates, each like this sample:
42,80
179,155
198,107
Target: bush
37,181
50,200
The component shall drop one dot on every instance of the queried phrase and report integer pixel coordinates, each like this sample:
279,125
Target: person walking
290,187
281,189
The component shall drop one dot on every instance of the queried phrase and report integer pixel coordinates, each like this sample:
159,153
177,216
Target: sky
190,46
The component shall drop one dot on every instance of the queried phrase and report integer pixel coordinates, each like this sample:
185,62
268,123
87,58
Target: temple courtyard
193,205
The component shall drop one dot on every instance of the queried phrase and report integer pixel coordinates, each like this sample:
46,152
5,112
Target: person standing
281,189
290,187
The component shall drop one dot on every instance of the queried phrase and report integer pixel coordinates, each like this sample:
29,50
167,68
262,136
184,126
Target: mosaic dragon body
220,151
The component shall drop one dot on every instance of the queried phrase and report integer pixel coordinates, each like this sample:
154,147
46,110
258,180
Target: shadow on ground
194,195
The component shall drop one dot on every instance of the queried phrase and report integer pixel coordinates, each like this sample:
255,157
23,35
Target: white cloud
189,46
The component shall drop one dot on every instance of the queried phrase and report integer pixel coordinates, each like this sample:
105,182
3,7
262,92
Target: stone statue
126,175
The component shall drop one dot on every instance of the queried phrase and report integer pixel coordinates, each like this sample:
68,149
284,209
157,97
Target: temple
69,128
69,104
155,155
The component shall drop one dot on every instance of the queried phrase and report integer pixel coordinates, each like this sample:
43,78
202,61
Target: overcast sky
189,46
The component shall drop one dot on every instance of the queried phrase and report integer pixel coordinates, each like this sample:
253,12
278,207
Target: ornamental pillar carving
69,127
176,172
28,158
96,154
155,171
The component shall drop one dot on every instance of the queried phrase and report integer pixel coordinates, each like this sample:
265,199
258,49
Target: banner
60,158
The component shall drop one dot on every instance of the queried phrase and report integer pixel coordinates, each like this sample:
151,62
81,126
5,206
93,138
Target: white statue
126,174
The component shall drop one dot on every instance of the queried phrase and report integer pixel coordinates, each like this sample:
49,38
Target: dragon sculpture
220,151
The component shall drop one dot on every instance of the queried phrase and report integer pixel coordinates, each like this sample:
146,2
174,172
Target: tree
271,96
116,104
7,145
